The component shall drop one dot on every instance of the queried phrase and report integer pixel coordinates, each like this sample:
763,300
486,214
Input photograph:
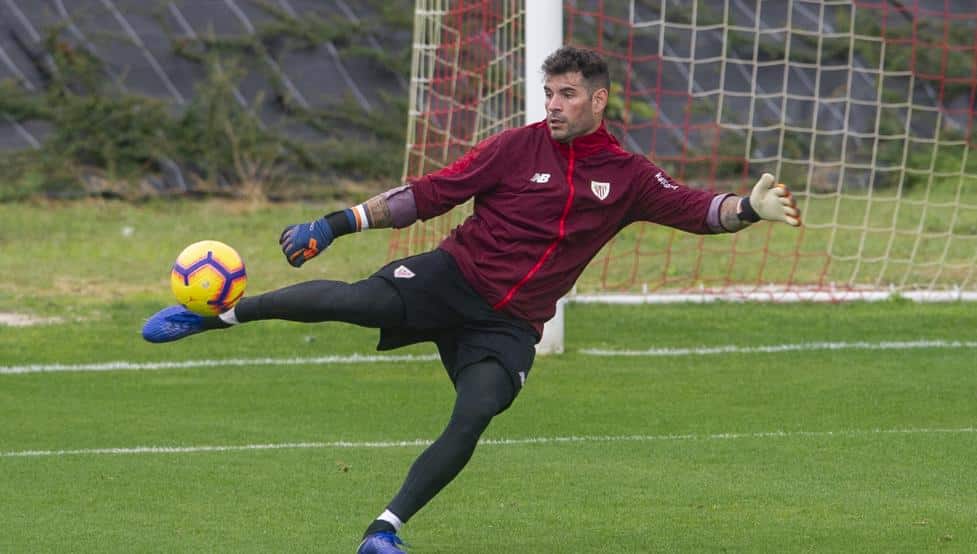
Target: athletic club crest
600,190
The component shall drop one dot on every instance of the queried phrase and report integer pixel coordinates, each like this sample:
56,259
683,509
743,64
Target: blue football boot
383,542
173,323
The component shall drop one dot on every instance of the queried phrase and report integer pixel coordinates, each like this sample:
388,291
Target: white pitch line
123,365
780,348
154,366
487,442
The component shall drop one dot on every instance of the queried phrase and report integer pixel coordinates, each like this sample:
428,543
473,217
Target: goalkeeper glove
305,241
770,201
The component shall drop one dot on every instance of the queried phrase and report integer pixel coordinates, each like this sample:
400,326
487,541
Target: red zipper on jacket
552,247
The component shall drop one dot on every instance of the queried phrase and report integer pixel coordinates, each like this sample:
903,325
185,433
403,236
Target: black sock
379,525
215,323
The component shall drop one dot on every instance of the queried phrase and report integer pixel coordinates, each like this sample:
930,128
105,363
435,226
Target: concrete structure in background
136,40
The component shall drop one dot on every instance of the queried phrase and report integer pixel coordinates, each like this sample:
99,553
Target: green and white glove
770,201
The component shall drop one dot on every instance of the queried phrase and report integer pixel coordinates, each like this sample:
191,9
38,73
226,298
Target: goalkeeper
547,197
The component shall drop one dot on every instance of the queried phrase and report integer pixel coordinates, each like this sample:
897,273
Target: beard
563,130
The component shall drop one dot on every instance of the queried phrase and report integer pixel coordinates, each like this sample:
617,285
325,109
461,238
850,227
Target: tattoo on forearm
379,212
728,217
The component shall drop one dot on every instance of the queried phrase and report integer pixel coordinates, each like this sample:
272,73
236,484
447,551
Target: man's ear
598,101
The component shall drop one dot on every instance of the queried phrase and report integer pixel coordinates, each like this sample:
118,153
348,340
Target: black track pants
483,390
371,302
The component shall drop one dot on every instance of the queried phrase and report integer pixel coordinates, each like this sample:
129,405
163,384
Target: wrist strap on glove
746,211
350,220
340,223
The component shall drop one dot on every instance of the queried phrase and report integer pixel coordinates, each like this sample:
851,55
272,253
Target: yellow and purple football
208,277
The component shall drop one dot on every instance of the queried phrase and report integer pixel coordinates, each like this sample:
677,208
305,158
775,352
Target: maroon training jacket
531,235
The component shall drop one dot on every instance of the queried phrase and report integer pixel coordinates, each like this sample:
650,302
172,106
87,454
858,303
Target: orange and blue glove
305,241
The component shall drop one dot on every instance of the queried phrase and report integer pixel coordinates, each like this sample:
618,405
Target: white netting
866,109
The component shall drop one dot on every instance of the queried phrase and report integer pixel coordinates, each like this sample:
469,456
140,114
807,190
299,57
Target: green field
293,445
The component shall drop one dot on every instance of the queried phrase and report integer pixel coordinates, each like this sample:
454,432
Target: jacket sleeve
477,171
663,200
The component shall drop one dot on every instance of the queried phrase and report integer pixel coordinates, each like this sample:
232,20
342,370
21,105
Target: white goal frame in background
544,34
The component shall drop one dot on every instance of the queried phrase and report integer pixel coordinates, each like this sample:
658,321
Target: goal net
866,109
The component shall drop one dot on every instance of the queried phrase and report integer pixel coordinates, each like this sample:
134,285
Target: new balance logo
540,178
664,181
403,273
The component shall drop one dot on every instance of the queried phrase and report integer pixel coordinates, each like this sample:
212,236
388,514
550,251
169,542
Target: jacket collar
587,145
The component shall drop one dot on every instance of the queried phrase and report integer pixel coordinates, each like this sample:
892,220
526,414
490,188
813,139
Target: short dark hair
591,66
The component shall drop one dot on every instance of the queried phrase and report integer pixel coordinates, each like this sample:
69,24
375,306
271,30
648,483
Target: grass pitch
855,431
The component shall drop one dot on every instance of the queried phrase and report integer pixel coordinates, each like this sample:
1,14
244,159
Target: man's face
571,109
